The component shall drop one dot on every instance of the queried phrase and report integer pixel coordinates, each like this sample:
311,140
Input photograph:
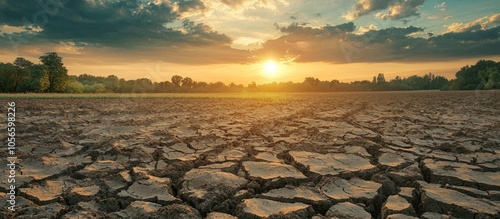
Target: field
383,155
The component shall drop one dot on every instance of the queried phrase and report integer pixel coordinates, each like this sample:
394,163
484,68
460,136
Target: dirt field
345,155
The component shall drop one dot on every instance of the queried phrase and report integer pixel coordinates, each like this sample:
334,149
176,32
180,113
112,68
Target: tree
493,78
23,67
201,84
187,82
439,82
473,77
112,83
58,74
87,79
38,80
252,86
176,80
7,76
380,78
143,85
311,81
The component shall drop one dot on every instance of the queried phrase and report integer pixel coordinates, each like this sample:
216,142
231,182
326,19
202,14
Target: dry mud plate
361,155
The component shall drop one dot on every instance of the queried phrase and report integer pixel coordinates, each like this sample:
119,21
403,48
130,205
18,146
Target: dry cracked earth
361,155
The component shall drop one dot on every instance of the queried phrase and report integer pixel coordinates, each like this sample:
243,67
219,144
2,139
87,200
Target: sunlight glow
270,68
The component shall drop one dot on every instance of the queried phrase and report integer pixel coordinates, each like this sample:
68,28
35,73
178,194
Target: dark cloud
132,23
133,30
302,43
338,44
304,30
364,7
191,6
394,9
392,34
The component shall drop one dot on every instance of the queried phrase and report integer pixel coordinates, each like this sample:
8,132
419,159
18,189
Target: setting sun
270,68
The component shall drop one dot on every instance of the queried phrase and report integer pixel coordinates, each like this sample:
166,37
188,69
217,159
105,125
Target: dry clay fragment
460,174
84,214
139,209
52,165
406,176
342,190
307,195
396,204
154,190
442,200
53,210
218,215
271,170
82,194
347,210
48,192
331,164
263,208
177,211
101,168
401,216
205,188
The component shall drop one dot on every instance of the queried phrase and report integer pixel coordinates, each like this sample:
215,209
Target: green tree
112,83
143,85
493,78
23,67
7,76
38,80
58,74
473,77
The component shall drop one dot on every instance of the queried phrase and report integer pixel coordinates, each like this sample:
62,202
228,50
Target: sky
246,41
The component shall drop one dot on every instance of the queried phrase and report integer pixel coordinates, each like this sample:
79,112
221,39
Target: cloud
394,9
364,7
402,9
479,24
190,6
441,6
107,23
233,3
338,44
364,29
302,43
68,48
128,25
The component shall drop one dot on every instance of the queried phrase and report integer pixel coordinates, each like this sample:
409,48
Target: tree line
50,75
24,76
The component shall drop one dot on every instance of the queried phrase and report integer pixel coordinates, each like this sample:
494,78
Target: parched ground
346,155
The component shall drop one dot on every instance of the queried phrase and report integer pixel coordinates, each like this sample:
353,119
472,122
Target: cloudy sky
253,40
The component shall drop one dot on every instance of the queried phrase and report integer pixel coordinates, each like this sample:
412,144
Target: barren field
345,155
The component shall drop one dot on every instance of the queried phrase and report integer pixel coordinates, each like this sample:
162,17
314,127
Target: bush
74,87
95,88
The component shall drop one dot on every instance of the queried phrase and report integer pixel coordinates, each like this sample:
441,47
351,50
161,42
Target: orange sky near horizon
295,72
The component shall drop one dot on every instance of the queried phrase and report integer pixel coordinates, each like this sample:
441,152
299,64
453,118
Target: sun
270,68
